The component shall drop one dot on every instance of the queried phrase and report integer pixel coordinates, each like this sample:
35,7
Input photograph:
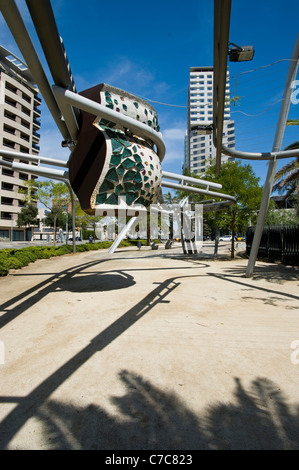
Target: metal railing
278,243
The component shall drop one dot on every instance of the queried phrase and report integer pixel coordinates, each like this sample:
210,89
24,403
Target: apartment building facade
19,126
199,148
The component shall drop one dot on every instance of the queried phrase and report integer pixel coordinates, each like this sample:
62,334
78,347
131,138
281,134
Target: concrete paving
149,350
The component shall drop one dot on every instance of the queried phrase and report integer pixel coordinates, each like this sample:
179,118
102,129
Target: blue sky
147,48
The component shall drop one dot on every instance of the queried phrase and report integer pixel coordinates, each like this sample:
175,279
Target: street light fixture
240,54
203,129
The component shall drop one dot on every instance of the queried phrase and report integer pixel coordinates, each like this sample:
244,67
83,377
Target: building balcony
25,124
36,147
23,176
7,189
8,143
26,98
25,137
36,123
37,99
10,88
37,112
11,117
26,111
11,103
8,210
6,202
35,135
7,172
9,130
5,215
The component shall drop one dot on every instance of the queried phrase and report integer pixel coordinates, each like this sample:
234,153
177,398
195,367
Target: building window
4,234
7,201
11,88
8,143
6,186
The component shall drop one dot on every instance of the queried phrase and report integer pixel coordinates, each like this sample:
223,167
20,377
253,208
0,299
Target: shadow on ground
275,273
147,418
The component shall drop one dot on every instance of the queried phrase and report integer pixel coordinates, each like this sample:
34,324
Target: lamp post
67,226
11,230
240,54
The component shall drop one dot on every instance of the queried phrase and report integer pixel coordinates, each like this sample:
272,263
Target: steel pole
19,31
221,40
73,214
45,24
284,110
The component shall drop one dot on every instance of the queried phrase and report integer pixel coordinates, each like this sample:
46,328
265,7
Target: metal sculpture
116,147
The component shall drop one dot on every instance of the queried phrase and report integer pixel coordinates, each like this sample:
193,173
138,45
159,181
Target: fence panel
277,243
291,245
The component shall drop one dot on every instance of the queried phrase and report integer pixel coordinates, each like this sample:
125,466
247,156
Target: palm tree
287,178
170,198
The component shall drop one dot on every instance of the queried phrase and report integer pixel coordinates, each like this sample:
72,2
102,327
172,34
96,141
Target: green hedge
11,258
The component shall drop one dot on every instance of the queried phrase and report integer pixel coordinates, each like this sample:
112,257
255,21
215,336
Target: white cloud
175,133
172,155
174,138
126,74
50,145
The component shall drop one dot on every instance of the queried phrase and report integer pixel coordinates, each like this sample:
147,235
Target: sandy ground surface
149,350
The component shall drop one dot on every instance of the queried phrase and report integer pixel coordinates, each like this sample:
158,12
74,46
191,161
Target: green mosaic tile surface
132,167
129,171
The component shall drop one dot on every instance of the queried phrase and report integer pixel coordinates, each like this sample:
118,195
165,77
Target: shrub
4,269
13,263
12,258
63,250
43,253
81,248
25,256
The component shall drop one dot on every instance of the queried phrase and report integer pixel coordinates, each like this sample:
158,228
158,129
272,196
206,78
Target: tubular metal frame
67,98
52,173
19,31
221,40
65,105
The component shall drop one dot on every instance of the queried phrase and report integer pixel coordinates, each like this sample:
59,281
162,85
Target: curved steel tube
189,179
191,189
68,98
33,158
259,156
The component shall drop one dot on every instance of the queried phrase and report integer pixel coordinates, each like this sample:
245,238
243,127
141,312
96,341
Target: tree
54,196
287,178
170,198
237,180
281,217
27,216
56,218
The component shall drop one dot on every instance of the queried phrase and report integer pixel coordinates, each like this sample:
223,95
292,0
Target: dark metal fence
278,243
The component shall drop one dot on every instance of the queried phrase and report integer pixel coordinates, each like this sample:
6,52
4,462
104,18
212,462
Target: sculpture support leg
284,110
